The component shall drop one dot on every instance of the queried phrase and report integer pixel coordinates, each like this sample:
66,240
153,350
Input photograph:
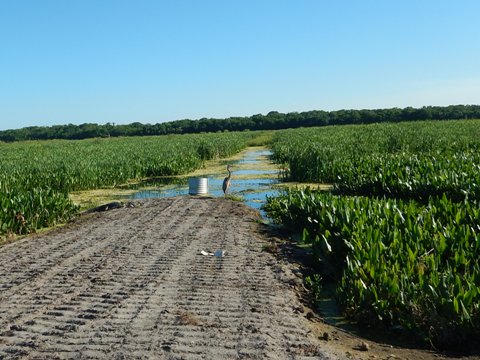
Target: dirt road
131,283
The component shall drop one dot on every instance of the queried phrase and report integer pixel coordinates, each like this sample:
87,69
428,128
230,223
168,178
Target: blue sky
122,61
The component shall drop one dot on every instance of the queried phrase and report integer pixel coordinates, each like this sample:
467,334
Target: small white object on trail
217,253
220,253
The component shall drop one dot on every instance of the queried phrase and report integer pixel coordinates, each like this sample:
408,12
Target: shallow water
254,186
256,172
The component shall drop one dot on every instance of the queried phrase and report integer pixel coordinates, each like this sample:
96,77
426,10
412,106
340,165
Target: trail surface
131,283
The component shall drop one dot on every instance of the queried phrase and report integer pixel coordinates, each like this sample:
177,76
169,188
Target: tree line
274,120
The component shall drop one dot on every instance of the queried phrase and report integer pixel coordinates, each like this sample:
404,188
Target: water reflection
253,190
156,182
256,172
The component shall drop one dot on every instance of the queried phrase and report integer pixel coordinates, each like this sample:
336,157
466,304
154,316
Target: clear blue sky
151,61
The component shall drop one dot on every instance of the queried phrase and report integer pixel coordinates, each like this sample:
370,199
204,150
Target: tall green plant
36,177
397,263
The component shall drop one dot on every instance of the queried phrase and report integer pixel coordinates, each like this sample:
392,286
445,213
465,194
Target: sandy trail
131,283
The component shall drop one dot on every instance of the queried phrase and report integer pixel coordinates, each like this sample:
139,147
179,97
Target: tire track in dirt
131,283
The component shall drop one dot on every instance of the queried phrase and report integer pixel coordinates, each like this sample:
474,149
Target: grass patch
264,138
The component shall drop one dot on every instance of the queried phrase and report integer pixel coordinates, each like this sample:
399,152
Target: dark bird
226,181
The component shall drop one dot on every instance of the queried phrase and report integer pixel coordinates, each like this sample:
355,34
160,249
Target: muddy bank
132,283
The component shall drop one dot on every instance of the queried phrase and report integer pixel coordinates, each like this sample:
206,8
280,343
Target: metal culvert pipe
198,186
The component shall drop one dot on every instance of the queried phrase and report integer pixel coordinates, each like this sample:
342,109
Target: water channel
253,177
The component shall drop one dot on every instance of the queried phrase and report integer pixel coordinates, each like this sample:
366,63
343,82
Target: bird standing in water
226,181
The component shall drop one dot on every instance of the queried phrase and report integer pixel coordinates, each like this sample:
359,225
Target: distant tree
272,121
